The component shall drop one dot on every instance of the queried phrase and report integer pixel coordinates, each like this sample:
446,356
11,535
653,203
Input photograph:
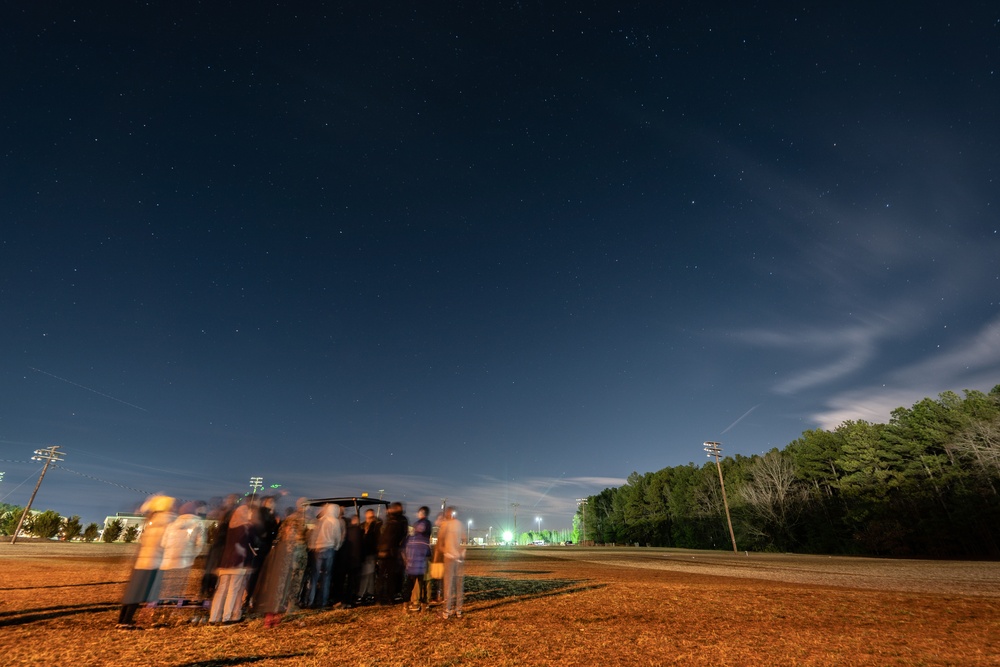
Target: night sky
496,253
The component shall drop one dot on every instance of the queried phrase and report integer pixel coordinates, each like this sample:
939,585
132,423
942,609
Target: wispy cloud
852,347
973,363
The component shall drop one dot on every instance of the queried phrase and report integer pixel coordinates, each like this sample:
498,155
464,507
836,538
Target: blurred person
348,565
183,541
389,566
220,517
436,570
325,538
415,556
354,538
267,530
144,584
234,567
281,579
370,530
450,543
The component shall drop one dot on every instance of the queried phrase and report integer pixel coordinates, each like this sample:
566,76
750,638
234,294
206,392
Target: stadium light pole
48,455
256,483
583,518
715,449
515,506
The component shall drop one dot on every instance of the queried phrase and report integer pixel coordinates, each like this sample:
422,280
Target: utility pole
714,449
583,518
48,455
515,506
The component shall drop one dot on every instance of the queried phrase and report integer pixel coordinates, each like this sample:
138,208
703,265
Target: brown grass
552,606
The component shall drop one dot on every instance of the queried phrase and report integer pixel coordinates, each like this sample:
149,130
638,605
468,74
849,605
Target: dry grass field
540,606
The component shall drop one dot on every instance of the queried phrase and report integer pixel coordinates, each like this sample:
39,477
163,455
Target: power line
7,495
104,481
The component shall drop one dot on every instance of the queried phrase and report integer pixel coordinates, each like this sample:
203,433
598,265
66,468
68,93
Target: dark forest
923,485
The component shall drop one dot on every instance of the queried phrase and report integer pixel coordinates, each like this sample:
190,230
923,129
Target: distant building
137,520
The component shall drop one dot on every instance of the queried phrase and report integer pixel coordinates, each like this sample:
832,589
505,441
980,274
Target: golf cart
357,502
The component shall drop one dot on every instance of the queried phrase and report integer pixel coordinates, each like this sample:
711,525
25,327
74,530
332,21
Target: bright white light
507,536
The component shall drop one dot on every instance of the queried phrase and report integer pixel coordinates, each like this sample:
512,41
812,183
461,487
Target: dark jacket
393,535
370,538
350,552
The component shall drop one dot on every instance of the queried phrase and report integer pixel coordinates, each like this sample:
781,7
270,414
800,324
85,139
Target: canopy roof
356,502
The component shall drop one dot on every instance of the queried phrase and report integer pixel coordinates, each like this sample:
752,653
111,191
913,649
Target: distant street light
468,533
715,449
538,520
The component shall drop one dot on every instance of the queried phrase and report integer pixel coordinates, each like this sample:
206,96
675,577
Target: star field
499,254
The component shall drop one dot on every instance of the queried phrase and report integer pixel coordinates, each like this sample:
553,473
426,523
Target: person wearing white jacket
325,538
183,540
451,544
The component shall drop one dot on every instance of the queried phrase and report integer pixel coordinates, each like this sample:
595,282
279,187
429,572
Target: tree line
923,485
50,524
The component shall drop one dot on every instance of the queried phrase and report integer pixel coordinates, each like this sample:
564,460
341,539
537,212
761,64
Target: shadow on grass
241,660
93,583
501,591
25,616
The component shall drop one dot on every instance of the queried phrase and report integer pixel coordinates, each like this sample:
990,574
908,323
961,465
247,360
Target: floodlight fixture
256,483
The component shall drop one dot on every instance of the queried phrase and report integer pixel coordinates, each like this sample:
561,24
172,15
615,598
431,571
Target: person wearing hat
144,584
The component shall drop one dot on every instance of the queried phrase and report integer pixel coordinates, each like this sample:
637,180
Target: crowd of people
259,563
